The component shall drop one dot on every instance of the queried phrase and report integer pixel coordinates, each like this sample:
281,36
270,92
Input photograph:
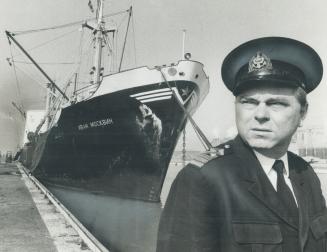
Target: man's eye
248,102
278,104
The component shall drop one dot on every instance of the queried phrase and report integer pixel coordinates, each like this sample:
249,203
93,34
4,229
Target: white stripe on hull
152,92
153,95
156,99
158,94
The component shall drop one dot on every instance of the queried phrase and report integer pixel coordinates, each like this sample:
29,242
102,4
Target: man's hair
301,96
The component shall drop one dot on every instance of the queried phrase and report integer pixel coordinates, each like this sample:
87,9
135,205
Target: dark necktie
284,192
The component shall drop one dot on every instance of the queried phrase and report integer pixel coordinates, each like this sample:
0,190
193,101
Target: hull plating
117,144
122,225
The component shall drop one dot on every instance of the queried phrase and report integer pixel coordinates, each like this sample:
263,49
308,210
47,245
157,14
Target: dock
32,221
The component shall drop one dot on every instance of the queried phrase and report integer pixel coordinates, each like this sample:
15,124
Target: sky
213,29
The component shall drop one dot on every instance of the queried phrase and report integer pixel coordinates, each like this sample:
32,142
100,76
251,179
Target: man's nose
261,113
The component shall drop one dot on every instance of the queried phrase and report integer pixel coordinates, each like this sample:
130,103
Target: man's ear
304,111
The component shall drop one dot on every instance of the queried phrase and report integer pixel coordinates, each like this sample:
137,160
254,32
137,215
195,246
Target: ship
106,149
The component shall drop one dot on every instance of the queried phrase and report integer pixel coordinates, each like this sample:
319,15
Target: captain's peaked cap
275,60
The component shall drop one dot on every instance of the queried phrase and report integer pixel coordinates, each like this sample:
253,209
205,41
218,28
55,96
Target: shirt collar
267,162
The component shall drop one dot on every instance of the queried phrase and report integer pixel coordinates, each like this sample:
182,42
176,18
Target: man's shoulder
211,166
297,159
299,163
304,170
217,154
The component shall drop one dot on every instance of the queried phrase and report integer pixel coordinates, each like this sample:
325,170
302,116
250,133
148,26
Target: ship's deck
28,221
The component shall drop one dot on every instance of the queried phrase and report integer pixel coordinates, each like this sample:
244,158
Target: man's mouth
261,130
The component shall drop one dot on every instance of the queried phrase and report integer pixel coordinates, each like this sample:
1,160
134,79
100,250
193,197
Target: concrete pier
28,221
22,228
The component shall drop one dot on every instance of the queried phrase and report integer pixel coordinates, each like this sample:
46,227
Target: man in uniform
257,196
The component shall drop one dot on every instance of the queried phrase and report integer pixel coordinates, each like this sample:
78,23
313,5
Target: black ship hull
113,144
106,158
120,224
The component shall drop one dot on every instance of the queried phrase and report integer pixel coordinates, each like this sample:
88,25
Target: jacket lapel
298,184
258,182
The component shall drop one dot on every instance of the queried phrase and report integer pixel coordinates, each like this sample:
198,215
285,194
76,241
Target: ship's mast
98,43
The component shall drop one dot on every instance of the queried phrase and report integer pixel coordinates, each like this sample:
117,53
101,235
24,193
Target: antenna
183,43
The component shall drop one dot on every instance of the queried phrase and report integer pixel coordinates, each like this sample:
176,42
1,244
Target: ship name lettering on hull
103,122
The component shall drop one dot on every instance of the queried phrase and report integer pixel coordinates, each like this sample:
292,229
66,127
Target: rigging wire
205,142
60,99
79,64
60,63
66,25
125,39
111,59
85,88
17,82
184,146
121,22
88,50
83,70
39,83
79,58
55,107
88,59
45,63
18,132
69,77
34,77
47,42
134,43
107,41
116,53
51,40
80,47
48,114
117,49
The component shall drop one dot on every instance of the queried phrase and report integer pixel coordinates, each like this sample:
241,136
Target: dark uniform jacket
230,205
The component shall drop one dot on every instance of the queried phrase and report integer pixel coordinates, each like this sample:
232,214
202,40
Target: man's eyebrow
241,96
246,97
278,99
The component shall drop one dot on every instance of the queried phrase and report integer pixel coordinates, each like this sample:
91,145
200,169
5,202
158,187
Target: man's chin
260,144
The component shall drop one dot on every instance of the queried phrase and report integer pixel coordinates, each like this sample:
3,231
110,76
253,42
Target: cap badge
259,62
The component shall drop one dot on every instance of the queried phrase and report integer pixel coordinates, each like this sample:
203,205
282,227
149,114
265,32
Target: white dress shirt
267,164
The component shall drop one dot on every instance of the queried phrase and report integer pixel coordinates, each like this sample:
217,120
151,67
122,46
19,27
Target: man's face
267,117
